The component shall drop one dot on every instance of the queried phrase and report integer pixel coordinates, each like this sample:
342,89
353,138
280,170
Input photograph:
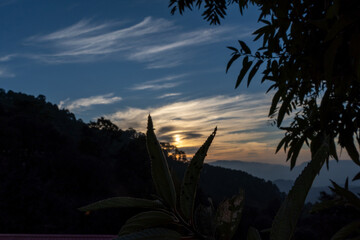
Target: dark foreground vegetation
51,164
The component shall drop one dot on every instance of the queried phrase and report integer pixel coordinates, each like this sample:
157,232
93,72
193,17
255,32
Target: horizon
124,60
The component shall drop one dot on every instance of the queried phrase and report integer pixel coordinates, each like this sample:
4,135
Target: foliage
176,217
342,197
311,57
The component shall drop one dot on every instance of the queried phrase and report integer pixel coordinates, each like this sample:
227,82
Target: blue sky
124,59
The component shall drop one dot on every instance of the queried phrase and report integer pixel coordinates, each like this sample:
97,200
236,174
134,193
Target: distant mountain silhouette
338,171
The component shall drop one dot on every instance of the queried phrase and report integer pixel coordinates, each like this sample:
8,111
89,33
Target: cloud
4,73
84,103
242,121
8,57
156,42
157,84
166,95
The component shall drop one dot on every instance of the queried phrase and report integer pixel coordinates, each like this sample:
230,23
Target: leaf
352,151
232,59
253,71
191,178
152,234
253,234
243,71
244,47
146,220
333,149
159,168
228,217
274,103
122,202
286,218
348,230
357,177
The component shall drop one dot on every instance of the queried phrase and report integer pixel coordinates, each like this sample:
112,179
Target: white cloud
157,84
8,57
156,42
243,129
88,102
169,95
4,73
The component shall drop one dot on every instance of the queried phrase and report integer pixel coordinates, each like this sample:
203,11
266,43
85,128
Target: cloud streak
156,42
243,129
84,103
4,73
157,84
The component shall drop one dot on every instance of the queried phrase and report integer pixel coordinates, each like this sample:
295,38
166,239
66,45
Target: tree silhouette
311,57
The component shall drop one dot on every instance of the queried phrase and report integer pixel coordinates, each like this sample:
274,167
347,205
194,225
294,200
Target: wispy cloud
243,129
8,57
83,103
155,42
169,95
4,73
157,84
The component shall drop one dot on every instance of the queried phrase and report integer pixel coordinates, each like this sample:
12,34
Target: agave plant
172,215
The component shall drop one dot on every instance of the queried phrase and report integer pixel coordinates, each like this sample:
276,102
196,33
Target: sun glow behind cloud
243,129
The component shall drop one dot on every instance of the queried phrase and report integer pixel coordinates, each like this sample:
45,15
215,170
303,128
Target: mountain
52,163
338,171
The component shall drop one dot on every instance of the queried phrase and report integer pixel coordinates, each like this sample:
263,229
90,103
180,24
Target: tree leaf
357,177
349,229
146,220
152,234
253,234
159,168
232,59
253,71
245,47
286,218
122,202
191,178
228,217
243,71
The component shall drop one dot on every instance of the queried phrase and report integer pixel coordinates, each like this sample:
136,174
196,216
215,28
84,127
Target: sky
125,59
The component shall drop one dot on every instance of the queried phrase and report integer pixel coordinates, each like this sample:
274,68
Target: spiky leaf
228,217
253,234
286,218
122,202
152,234
146,220
191,178
345,232
159,168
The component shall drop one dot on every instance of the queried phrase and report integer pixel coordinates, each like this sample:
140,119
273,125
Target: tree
311,56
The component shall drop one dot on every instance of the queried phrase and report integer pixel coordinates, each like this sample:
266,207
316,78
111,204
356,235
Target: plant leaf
253,234
146,220
122,202
286,218
357,177
244,47
349,229
243,71
159,168
228,217
253,71
191,178
232,59
152,234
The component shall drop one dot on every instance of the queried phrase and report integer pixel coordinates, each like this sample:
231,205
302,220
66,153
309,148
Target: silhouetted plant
172,215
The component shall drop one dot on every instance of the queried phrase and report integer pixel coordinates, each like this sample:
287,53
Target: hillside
52,163
274,172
